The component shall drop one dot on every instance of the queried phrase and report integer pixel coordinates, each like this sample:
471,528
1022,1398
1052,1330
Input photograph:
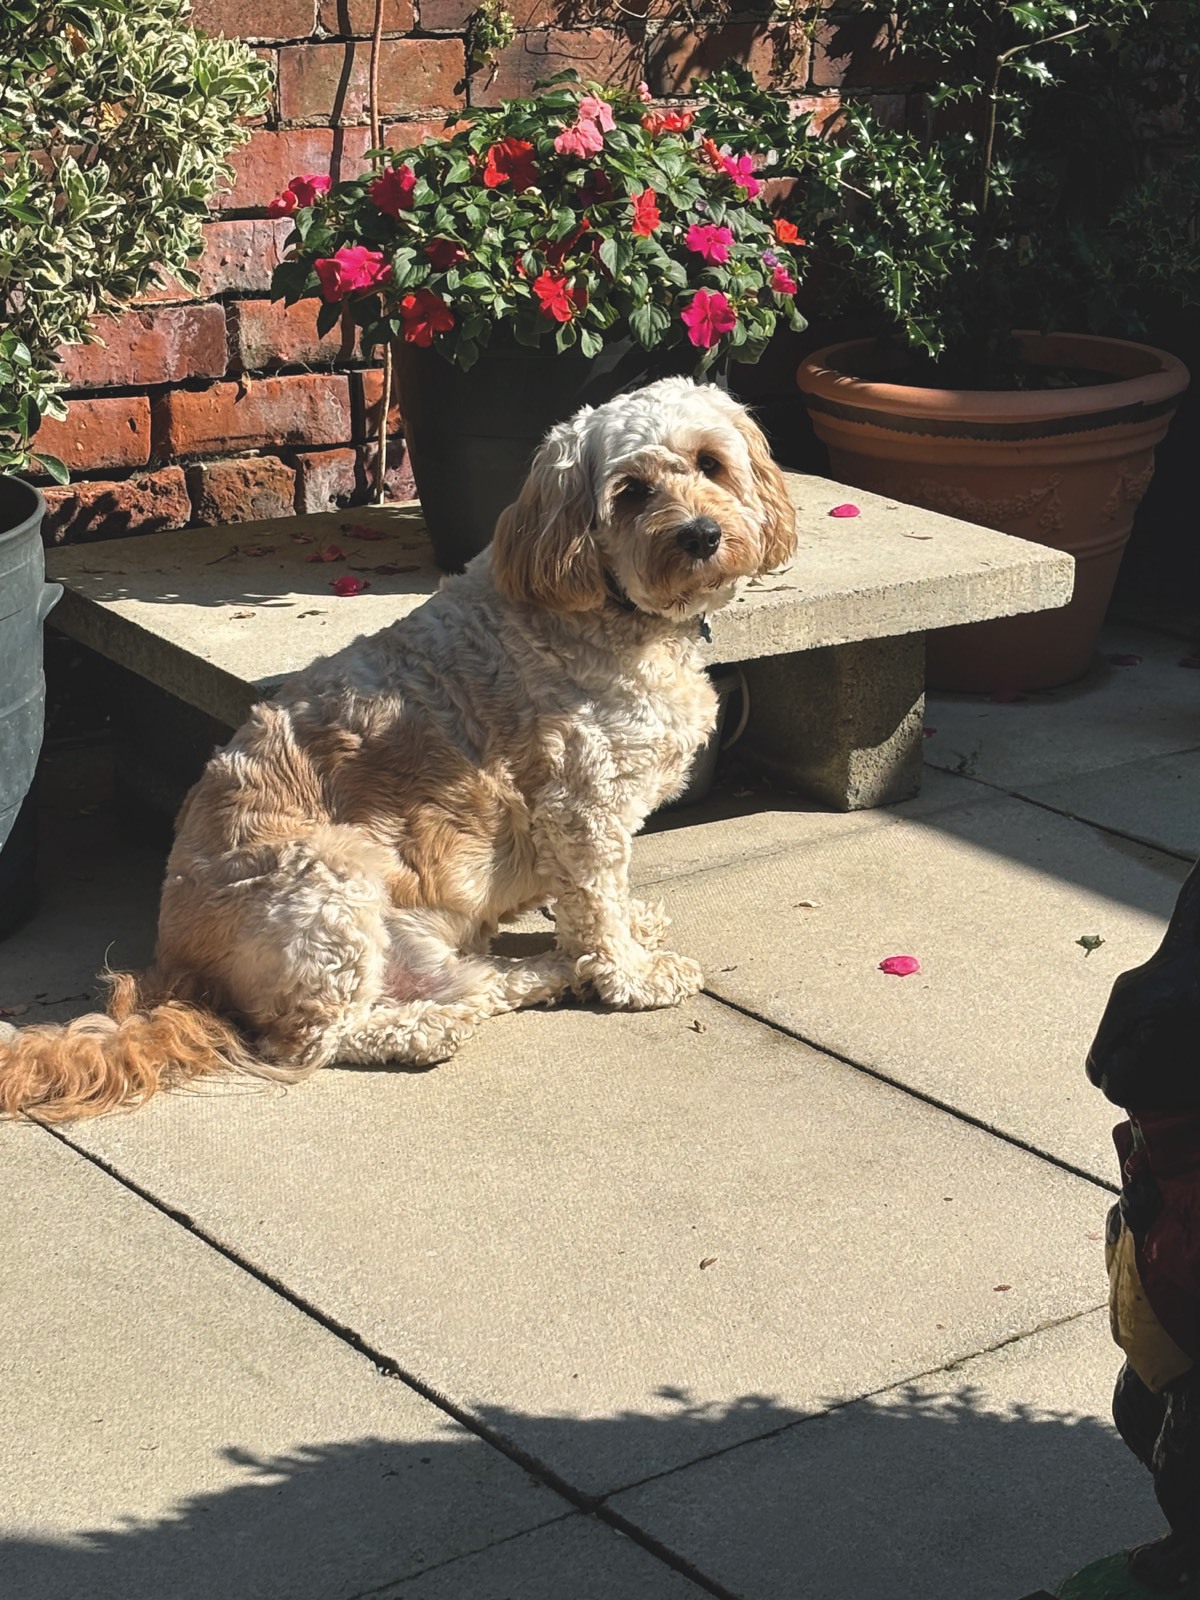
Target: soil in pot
471,435
1064,464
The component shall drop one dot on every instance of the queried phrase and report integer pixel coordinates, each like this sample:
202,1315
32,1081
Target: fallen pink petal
361,531
900,966
348,585
1190,661
846,510
327,552
1007,697
928,733
1125,660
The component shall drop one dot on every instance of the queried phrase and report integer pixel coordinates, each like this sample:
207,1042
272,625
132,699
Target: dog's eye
634,489
709,465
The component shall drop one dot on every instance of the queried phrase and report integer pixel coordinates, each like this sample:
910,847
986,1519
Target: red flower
348,585
597,189
645,213
392,190
351,270
712,155
510,161
444,254
782,281
788,232
309,186
707,317
555,254
709,240
559,302
425,314
302,191
657,122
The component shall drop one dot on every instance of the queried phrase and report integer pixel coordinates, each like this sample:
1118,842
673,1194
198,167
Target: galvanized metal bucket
25,599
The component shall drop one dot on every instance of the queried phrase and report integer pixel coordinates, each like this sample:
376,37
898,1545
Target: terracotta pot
1064,467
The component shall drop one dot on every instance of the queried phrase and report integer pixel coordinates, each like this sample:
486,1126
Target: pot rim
1144,376
34,518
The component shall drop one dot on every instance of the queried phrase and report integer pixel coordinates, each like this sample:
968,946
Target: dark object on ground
1146,1058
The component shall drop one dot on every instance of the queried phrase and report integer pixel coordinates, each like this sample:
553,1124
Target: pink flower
900,966
348,584
741,170
846,510
782,282
583,139
644,95
351,270
709,240
707,317
392,191
593,109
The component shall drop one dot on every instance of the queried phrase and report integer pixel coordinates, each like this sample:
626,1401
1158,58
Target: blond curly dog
340,868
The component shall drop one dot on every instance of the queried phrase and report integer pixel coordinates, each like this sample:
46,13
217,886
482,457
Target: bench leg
844,723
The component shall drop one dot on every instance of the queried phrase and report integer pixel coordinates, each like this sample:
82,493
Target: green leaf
53,468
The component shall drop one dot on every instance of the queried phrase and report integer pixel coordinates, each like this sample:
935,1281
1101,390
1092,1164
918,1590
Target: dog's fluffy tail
101,1063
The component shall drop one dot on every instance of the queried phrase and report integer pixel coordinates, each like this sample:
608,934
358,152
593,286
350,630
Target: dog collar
621,600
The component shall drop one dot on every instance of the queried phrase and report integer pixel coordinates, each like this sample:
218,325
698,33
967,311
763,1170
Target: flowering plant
580,216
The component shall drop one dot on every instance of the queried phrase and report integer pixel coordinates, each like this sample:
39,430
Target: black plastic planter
471,435
25,598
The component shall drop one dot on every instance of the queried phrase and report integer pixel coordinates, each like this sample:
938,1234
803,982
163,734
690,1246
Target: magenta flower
302,191
782,281
709,240
351,270
741,170
708,317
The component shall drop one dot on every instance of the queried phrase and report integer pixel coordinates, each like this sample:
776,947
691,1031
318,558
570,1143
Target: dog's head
667,496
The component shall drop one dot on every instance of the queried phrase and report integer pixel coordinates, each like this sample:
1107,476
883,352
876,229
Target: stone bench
831,648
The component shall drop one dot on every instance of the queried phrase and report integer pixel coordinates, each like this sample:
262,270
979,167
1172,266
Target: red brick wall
230,407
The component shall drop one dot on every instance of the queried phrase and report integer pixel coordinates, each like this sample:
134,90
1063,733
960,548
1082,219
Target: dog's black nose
699,537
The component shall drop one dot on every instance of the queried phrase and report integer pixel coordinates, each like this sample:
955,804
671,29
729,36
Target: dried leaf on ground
327,552
242,614
1090,942
258,550
13,1011
359,530
709,1261
697,1026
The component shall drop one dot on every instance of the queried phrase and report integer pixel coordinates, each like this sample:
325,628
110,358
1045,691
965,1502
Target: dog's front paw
662,978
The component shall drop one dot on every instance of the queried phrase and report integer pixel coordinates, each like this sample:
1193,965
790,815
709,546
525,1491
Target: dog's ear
779,530
544,549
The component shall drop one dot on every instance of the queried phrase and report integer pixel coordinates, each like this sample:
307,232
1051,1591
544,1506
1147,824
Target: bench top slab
220,616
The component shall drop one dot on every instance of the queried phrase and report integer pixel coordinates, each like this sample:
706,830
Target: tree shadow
915,1494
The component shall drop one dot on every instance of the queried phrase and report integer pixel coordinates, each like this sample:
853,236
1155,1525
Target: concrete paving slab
992,899
604,1234
1156,801
219,616
738,824
987,1481
174,1430
1113,716
579,1559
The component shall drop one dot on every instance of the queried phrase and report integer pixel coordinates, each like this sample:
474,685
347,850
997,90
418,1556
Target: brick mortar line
388,1367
